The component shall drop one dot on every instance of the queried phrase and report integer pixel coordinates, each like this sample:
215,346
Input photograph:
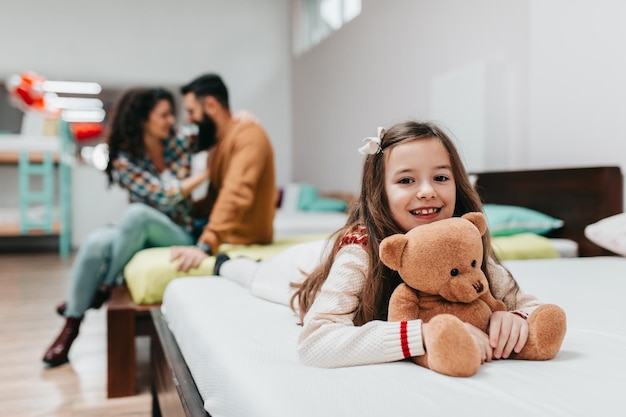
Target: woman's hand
507,333
188,257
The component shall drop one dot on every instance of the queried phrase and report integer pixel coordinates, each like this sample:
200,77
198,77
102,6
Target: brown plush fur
444,286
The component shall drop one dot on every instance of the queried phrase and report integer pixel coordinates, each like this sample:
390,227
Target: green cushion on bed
150,270
506,220
523,246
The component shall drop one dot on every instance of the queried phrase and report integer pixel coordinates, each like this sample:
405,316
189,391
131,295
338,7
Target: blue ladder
30,196
46,196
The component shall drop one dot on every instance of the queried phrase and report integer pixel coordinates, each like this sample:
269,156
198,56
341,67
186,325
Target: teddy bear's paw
546,330
450,347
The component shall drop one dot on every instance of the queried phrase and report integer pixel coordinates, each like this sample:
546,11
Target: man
241,201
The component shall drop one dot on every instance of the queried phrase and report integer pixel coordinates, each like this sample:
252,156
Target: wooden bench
125,321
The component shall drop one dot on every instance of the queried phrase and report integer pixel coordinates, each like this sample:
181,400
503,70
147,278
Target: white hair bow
372,144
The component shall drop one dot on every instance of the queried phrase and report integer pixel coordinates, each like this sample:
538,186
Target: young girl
412,175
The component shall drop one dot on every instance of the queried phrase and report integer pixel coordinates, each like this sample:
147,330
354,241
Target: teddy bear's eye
474,263
454,272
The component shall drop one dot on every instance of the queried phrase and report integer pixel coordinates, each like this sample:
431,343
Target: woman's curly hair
127,122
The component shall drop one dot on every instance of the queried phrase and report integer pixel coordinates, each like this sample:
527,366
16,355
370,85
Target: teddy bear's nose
478,286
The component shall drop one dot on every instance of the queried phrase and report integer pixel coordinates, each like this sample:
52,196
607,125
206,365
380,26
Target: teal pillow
308,196
328,204
309,200
505,220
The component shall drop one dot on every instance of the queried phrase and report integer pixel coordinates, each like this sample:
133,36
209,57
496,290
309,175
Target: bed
221,351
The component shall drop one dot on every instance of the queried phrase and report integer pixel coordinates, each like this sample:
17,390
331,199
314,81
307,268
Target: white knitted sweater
330,339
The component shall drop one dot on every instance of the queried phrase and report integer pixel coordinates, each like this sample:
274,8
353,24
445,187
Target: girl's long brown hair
372,210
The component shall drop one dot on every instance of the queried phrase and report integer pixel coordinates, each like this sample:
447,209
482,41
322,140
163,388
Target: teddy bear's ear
391,249
478,219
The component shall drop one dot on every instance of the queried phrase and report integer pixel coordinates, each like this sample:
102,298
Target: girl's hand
507,333
483,342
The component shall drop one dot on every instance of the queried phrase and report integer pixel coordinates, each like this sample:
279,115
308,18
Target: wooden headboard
578,196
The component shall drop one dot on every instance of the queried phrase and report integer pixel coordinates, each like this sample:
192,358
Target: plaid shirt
161,191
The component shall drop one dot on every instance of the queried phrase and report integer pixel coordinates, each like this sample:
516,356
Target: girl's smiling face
419,183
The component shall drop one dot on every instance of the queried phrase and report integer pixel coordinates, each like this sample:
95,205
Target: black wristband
205,247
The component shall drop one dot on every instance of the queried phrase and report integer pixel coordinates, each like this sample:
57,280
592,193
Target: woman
154,165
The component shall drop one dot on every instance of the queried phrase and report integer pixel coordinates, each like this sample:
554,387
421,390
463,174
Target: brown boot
57,353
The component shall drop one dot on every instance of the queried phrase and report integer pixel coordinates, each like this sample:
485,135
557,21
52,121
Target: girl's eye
441,178
405,181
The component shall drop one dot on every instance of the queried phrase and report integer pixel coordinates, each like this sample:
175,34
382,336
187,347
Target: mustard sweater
242,196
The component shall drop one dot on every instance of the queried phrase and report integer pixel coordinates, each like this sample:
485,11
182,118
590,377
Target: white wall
578,79
400,59
520,83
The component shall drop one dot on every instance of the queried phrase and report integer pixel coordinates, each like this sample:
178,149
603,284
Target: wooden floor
30,287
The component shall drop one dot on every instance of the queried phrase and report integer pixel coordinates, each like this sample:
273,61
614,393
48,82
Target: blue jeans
102,257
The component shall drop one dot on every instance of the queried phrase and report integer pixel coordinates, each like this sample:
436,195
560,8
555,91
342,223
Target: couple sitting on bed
154,164
343,301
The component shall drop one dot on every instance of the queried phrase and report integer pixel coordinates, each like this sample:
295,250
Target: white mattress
241,351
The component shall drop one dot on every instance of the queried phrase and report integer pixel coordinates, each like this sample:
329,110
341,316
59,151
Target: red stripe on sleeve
404,340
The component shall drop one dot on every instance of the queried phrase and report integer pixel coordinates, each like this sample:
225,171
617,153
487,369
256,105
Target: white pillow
609,233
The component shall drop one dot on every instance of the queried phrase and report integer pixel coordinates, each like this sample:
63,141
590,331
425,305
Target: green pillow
328,204
505,220
307,197
523,246
309,200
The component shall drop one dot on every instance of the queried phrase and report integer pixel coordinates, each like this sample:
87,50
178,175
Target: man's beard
206,133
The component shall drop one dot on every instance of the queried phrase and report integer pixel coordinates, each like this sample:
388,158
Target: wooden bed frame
578,196
174,393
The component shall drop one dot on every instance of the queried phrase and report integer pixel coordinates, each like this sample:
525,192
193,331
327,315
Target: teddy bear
444,286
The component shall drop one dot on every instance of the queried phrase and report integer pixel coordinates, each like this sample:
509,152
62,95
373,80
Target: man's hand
188,257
